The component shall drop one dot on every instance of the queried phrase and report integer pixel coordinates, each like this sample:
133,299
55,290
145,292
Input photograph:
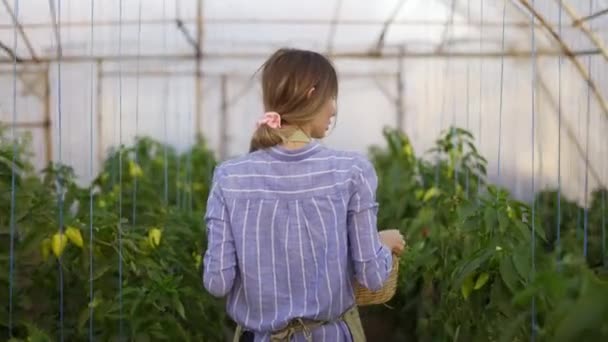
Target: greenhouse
485,121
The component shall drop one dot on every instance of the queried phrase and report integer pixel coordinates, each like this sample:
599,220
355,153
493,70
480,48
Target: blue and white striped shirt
288,232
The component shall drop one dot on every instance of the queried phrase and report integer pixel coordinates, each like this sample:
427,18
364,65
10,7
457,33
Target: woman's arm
220,261
372,260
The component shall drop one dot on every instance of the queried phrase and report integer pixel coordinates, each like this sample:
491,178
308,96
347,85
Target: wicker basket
364,296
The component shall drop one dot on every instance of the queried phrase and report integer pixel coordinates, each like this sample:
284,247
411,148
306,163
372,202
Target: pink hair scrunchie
271,119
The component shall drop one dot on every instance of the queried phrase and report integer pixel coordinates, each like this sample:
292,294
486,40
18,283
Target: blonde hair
287,78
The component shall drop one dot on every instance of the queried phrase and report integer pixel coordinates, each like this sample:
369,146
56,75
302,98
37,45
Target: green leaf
489,217
471,266
588,312
481,280
83,318
467,286
508,273
514,327
100,271
522,262
431,193
503,221
179,307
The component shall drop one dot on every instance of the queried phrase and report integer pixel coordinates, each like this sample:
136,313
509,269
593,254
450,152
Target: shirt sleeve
371,259
219,263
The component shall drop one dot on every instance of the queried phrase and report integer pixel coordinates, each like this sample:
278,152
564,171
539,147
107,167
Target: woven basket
364,296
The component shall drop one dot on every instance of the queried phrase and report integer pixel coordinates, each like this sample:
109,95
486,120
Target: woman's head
301,86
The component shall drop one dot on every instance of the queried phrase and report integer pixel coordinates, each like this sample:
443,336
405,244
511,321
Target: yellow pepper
135,170
74,236
154,236
58,243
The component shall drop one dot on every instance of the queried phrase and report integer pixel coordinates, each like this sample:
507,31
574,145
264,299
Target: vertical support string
165,108
120,152
56,15
500,107
532,233
480,91
11,271
559,137
137,72
91,170
178,165
192,144
588,120
446,72
468,98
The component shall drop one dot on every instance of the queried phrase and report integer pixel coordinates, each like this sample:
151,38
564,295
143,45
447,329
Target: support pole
198,101
399,97
224,117
99,112
46,110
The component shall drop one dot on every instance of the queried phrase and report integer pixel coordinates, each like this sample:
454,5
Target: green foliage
468,272
474,265
160,244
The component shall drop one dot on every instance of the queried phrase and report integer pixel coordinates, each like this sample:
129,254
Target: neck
298,138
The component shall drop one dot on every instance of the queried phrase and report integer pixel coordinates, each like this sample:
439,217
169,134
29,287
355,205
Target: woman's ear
309,94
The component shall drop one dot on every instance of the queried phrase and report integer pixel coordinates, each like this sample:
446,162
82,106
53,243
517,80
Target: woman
292,224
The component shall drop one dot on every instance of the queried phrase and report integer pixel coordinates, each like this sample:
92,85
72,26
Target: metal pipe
155,73
399,98
596,39
446,29
198,85
570,54
223,148
344,55
21,31
332,28
277,21
46,108
10,52
99,114
387,24
35,124
56,28
577,22
194,43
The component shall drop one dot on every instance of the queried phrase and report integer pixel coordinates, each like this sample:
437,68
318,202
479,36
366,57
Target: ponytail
264,137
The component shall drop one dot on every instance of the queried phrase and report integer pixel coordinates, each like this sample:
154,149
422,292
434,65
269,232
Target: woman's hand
393,239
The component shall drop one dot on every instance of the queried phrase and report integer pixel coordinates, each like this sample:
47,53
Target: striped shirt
288,232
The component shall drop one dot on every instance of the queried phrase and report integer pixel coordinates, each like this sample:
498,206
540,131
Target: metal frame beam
185,73
597,14
387,24
193,42
332,28
597,41
21,30
569,54
54,21
198,85
446,29
345,55
277,21
10,53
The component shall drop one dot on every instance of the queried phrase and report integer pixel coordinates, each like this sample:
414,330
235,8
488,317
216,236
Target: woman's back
288,232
